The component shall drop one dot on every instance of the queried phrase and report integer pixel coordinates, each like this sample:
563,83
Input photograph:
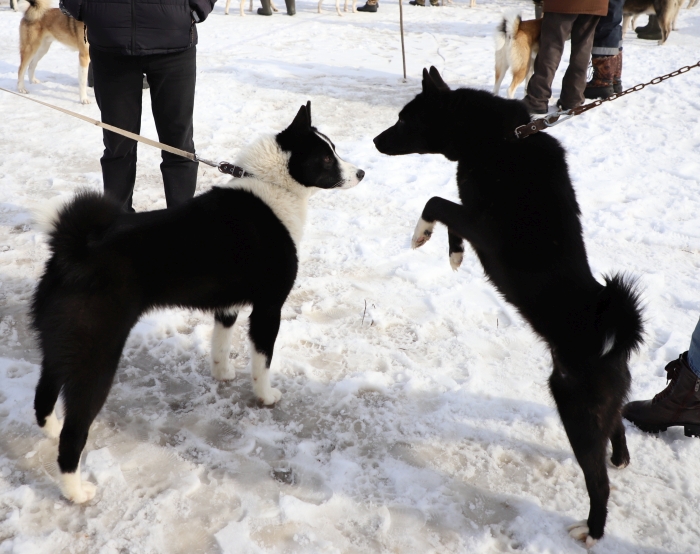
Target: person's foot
417,3
601,84
266,9
677,405
534,109
371,6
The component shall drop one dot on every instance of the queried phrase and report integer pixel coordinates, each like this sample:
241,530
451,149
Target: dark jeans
556,27
607,40
118,91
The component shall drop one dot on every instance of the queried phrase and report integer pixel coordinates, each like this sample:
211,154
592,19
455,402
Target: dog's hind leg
456,250
83,65
501,67
47,391
26,52
620,455
221,344
264,326
40,53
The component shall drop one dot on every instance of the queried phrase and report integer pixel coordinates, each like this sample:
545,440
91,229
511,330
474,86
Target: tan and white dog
228,3
517,43
337,6
666,11
40,26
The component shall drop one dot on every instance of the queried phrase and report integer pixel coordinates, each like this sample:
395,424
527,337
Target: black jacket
140,27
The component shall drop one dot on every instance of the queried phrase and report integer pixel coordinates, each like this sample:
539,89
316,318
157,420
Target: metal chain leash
537,125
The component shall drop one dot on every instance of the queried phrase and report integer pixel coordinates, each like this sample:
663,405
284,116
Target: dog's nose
360,174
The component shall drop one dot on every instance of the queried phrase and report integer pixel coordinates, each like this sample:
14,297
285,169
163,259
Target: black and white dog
520,215
235,245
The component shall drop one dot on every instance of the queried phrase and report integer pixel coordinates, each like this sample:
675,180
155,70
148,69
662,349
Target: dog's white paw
221,370
75,490
422,234
85,101
22,90
456,260
52,427
579,531
35,81
269,396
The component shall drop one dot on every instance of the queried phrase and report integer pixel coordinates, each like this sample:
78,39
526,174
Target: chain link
538,125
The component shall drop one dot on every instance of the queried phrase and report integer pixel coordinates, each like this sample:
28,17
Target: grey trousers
556,27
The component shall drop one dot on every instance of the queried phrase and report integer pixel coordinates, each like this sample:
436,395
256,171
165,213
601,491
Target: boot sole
690,429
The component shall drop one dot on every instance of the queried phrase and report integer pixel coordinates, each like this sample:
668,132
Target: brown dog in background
40,26
517,43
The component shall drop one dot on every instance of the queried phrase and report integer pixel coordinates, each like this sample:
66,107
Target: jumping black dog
520,215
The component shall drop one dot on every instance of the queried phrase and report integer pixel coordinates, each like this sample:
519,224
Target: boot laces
673,371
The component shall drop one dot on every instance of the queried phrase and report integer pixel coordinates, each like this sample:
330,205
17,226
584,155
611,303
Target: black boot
265,10
371,6
417,3
291,8
677,405
601,84
652,30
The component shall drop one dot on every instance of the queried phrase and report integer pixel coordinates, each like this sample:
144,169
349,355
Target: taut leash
537,125
223,167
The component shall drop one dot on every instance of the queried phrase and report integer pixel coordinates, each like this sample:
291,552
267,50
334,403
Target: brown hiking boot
601,84
617,74
677,405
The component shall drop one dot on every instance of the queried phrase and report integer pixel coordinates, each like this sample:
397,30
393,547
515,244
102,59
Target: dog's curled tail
618,316
75,229
507,29
34,9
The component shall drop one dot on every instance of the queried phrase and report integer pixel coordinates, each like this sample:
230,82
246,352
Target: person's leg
574,81
172,79
555,28
118,81
694,351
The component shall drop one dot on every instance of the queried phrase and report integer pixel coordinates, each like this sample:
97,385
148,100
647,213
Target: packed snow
415,415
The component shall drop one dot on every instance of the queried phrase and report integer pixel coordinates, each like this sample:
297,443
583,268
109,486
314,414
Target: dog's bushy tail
34,9
507,29
76,229
619,323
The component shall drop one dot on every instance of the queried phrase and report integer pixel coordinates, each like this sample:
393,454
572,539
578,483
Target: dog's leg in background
626,20
620,455
456,250
84,64
40,53
264,326
221,344
27,51
272,5
501,68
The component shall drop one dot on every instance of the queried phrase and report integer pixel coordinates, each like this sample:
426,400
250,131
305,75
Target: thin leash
537,125
223,167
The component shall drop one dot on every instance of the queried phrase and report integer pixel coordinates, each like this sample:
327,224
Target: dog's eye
327,160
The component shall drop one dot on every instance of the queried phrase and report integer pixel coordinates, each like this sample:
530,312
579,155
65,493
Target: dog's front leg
459,222
264,326
221,344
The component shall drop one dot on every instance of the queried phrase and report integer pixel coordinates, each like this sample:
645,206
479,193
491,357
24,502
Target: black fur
223,248
519,213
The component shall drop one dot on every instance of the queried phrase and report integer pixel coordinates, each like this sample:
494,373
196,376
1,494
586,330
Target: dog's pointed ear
302,121
437,79
429,85
308,111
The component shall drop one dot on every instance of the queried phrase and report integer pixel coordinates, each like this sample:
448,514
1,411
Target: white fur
504,55
220,350
52,427
272,183
46,216
422,234
75,489
608,344
82,83
337,6
260,373
456,260
579,531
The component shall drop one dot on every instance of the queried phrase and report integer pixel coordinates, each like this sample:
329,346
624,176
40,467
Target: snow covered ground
415,416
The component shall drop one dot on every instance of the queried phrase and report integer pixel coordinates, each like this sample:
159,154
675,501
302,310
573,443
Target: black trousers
118,91
556,27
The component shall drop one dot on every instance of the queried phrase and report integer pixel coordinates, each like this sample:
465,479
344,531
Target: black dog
520,215
232,246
